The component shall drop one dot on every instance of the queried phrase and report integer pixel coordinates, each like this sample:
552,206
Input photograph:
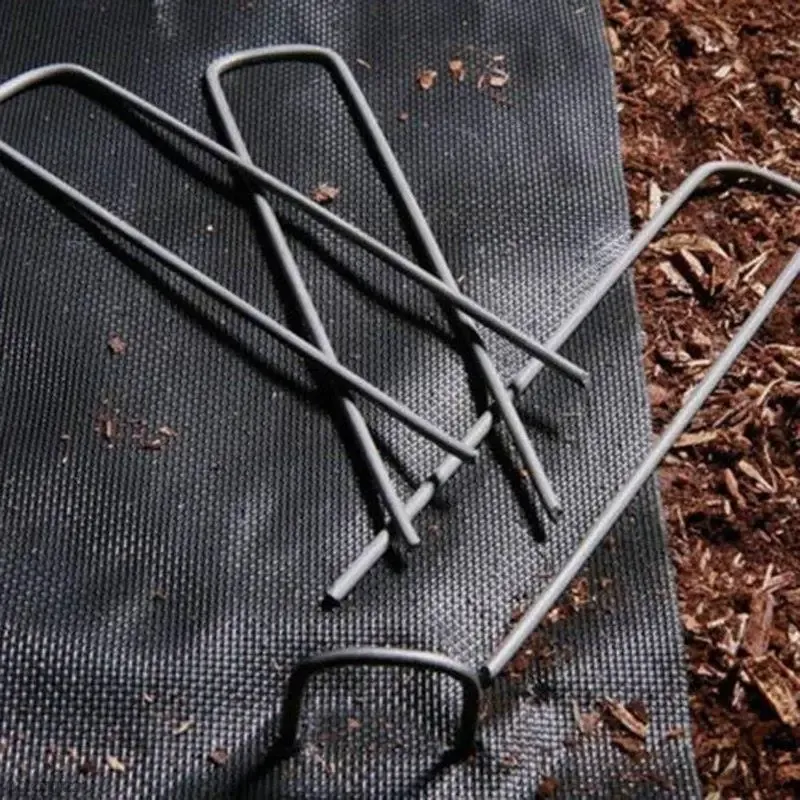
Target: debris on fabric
633,717
587,722
115,429
88,766
108,425
497,79
117,345
539,647
182,727
325,193
509,761
495,74
426,79
219,756
548,787
457,70
115,765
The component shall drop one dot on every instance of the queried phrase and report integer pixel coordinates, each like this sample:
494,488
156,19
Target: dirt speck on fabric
182,727
108,424
457,69
219,756
495,73
88,766
426,79
509,761
588,722
325,193
117,345
115,428
115,765
547,788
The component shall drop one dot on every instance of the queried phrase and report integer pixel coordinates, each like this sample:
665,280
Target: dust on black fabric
155,600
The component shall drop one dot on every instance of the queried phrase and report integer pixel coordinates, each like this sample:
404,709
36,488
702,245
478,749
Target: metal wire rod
418,501
415,273
549,597
371,132
305,305
263,321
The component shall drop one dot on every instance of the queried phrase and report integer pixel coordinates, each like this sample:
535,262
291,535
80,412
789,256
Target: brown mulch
700,80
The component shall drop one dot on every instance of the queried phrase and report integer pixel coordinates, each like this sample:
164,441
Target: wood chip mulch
700,80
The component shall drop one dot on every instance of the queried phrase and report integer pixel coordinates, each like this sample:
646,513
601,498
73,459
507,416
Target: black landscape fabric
170,515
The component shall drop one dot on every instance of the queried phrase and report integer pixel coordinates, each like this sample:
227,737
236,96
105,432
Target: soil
720,79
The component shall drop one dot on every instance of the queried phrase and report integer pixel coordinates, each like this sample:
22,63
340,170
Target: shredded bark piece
759,625
678,282
778,685
732,487
788,773
628,720
695,439
746,468
632,746
691,242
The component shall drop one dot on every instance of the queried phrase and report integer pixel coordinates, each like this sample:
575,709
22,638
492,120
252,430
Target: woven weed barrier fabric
171,514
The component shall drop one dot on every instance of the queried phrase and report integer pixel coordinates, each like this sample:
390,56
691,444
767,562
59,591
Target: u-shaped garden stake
387,162
304,670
